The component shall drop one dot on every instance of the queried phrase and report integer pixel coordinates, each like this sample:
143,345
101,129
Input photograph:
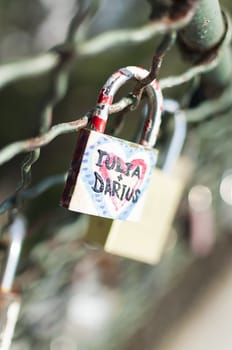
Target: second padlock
145,240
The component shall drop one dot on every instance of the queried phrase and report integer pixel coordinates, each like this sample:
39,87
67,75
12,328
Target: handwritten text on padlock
113,178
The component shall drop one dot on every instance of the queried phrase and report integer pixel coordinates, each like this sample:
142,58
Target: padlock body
109,177
145,240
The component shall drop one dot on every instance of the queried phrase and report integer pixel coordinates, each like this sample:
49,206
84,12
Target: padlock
109,176
145,240
10,300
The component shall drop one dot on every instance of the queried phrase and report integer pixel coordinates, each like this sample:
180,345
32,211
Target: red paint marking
105,99
141,163
148,125
121,73
101,95
98,123
156,84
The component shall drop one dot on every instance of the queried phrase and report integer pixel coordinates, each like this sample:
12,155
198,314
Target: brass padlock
145,240
10,301
109,177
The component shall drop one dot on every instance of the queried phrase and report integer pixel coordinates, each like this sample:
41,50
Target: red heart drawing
129,180
119,177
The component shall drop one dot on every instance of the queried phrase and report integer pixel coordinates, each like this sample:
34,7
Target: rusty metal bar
201,36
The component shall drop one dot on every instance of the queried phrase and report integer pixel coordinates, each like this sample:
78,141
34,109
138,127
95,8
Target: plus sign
120,177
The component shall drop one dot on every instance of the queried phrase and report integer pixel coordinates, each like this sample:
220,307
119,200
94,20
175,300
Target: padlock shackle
179,135
105,99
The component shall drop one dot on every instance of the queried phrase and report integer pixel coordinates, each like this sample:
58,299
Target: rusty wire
15,148
206,110
58,62
59,82
46,62
11,150
165,45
